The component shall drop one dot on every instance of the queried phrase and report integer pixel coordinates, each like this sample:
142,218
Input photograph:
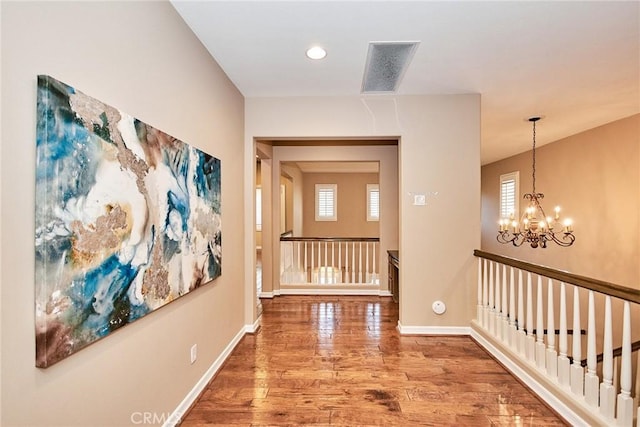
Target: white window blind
509,190
373,202
326,202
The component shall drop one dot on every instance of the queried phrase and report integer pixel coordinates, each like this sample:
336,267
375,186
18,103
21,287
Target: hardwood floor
328,360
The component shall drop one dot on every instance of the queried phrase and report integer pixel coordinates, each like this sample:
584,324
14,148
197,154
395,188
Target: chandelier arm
516,239
566,240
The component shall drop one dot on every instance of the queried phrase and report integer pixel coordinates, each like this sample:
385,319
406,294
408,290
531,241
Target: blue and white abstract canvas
127,220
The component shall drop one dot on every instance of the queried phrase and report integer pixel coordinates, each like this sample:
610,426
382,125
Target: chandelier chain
534,157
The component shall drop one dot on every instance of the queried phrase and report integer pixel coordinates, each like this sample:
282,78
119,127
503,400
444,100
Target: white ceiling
575,62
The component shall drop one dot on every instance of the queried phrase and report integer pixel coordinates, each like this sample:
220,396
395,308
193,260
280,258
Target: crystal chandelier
535,227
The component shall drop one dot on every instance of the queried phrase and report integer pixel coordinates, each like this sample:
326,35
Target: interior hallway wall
351,206
439,156
152,67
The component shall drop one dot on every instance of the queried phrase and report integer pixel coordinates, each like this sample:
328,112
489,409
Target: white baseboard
554,402
176,416
433,330
292,291
251,329
265,295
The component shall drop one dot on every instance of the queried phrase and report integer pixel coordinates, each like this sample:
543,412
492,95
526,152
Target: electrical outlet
194,353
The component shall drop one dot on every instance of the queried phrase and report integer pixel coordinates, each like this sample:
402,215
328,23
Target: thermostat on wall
438,307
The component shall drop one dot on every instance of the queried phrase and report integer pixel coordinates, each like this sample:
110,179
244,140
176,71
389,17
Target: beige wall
294,203
439,152
351,204
595,177
287,183
143,59
265,153
258,184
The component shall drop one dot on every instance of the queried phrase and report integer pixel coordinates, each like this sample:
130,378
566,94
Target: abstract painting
127,220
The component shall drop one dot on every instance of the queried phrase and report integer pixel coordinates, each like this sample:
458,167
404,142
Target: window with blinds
326,202
373,202
509,191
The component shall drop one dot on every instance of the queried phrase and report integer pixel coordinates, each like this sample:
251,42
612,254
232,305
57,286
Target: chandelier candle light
535,227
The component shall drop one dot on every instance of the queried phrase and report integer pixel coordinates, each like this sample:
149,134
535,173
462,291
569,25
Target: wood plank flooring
328,360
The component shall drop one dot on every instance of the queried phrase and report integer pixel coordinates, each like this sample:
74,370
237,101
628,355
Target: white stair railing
329,261
505,312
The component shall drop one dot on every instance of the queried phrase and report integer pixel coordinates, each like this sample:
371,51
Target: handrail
617,352
618,291
329,239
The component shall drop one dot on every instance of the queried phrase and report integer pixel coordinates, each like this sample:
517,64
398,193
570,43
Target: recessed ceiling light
316,52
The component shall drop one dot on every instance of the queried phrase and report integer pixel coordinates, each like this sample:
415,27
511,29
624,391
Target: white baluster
637,382
540,347
512,311
322,271
492,310
479,309
298,260
624,415
327,263
552,355
607,391
306,264
346,262
530,342
367,275
314,278
342,278
616,374
360,262
505,312
295,267
522,340
375,272
334,279
497,312
325,271
485,296
577,372
353,262
591,380
563,360
324,264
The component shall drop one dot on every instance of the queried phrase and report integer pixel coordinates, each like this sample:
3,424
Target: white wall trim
558,405
266,295
251,329
176,416
433,330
